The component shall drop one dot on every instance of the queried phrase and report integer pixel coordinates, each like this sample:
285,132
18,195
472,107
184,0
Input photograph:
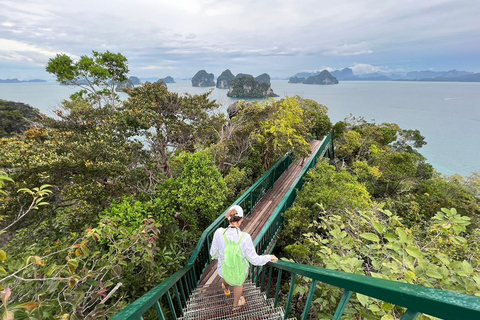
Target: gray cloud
277,36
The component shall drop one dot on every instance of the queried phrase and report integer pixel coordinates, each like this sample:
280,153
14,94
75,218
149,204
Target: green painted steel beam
342,305
306,310
140,306
410,315
290,294
435,302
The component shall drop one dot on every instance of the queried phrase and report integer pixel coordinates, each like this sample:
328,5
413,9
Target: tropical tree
96,75
168,122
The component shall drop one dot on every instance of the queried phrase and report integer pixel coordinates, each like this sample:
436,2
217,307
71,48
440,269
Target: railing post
170,304
342,305
180,304
263,278
290,294
278,287
269,281
309,300
159,310
410,315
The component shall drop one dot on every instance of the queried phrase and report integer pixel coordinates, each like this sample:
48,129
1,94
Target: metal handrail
446,305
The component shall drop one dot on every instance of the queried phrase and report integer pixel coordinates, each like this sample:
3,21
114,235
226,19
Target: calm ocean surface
446,113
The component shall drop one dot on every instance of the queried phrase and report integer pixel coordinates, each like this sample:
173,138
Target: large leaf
370,236
362,299
28,306
413,251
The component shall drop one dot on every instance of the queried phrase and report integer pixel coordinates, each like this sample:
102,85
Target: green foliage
323,188
237,182
197,194
16,118
285,131
96,75
128,213
74,276
376,243
315,117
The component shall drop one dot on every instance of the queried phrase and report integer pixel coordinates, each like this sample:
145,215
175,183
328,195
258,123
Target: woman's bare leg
237,293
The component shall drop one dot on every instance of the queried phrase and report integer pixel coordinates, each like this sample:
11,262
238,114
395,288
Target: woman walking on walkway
233,238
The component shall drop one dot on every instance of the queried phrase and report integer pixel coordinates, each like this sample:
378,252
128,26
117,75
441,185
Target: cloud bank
280,37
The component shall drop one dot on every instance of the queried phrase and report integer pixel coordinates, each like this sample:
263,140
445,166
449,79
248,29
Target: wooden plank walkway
254,223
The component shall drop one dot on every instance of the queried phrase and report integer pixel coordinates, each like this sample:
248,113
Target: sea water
446,113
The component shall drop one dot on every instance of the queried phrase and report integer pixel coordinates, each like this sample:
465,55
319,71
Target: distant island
225,79
15,80
203,79
246,86
167,79
121,86
322,78
347,74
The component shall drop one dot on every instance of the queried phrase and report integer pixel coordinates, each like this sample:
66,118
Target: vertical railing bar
183,292
278,287
263,278
180,304
290,294
342,305
187,287
172,307
410,315
309,300
269,281
195,278
192,282
159,310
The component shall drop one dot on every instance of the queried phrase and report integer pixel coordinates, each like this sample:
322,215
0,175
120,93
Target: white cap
238,209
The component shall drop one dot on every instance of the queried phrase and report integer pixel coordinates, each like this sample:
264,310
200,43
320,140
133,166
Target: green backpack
235,267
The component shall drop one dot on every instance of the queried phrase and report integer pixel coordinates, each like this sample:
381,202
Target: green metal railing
176,289
416,299
265,241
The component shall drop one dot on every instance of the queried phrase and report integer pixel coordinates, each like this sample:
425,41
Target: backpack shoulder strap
241,237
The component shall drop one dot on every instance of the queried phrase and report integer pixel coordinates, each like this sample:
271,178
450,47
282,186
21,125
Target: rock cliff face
203,79
245,86
235,107
323,78
225,79
296,80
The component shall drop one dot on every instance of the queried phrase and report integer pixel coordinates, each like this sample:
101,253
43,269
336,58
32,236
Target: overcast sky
179,37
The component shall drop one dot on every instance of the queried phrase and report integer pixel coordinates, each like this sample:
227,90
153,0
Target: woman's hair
231,215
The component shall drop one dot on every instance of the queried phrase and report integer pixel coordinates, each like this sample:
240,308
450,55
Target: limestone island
296,80
135,81
323,77
124,85
225,79
246,86
203,79
167,79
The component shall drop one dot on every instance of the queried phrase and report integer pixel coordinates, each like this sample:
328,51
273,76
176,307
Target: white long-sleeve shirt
248,250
